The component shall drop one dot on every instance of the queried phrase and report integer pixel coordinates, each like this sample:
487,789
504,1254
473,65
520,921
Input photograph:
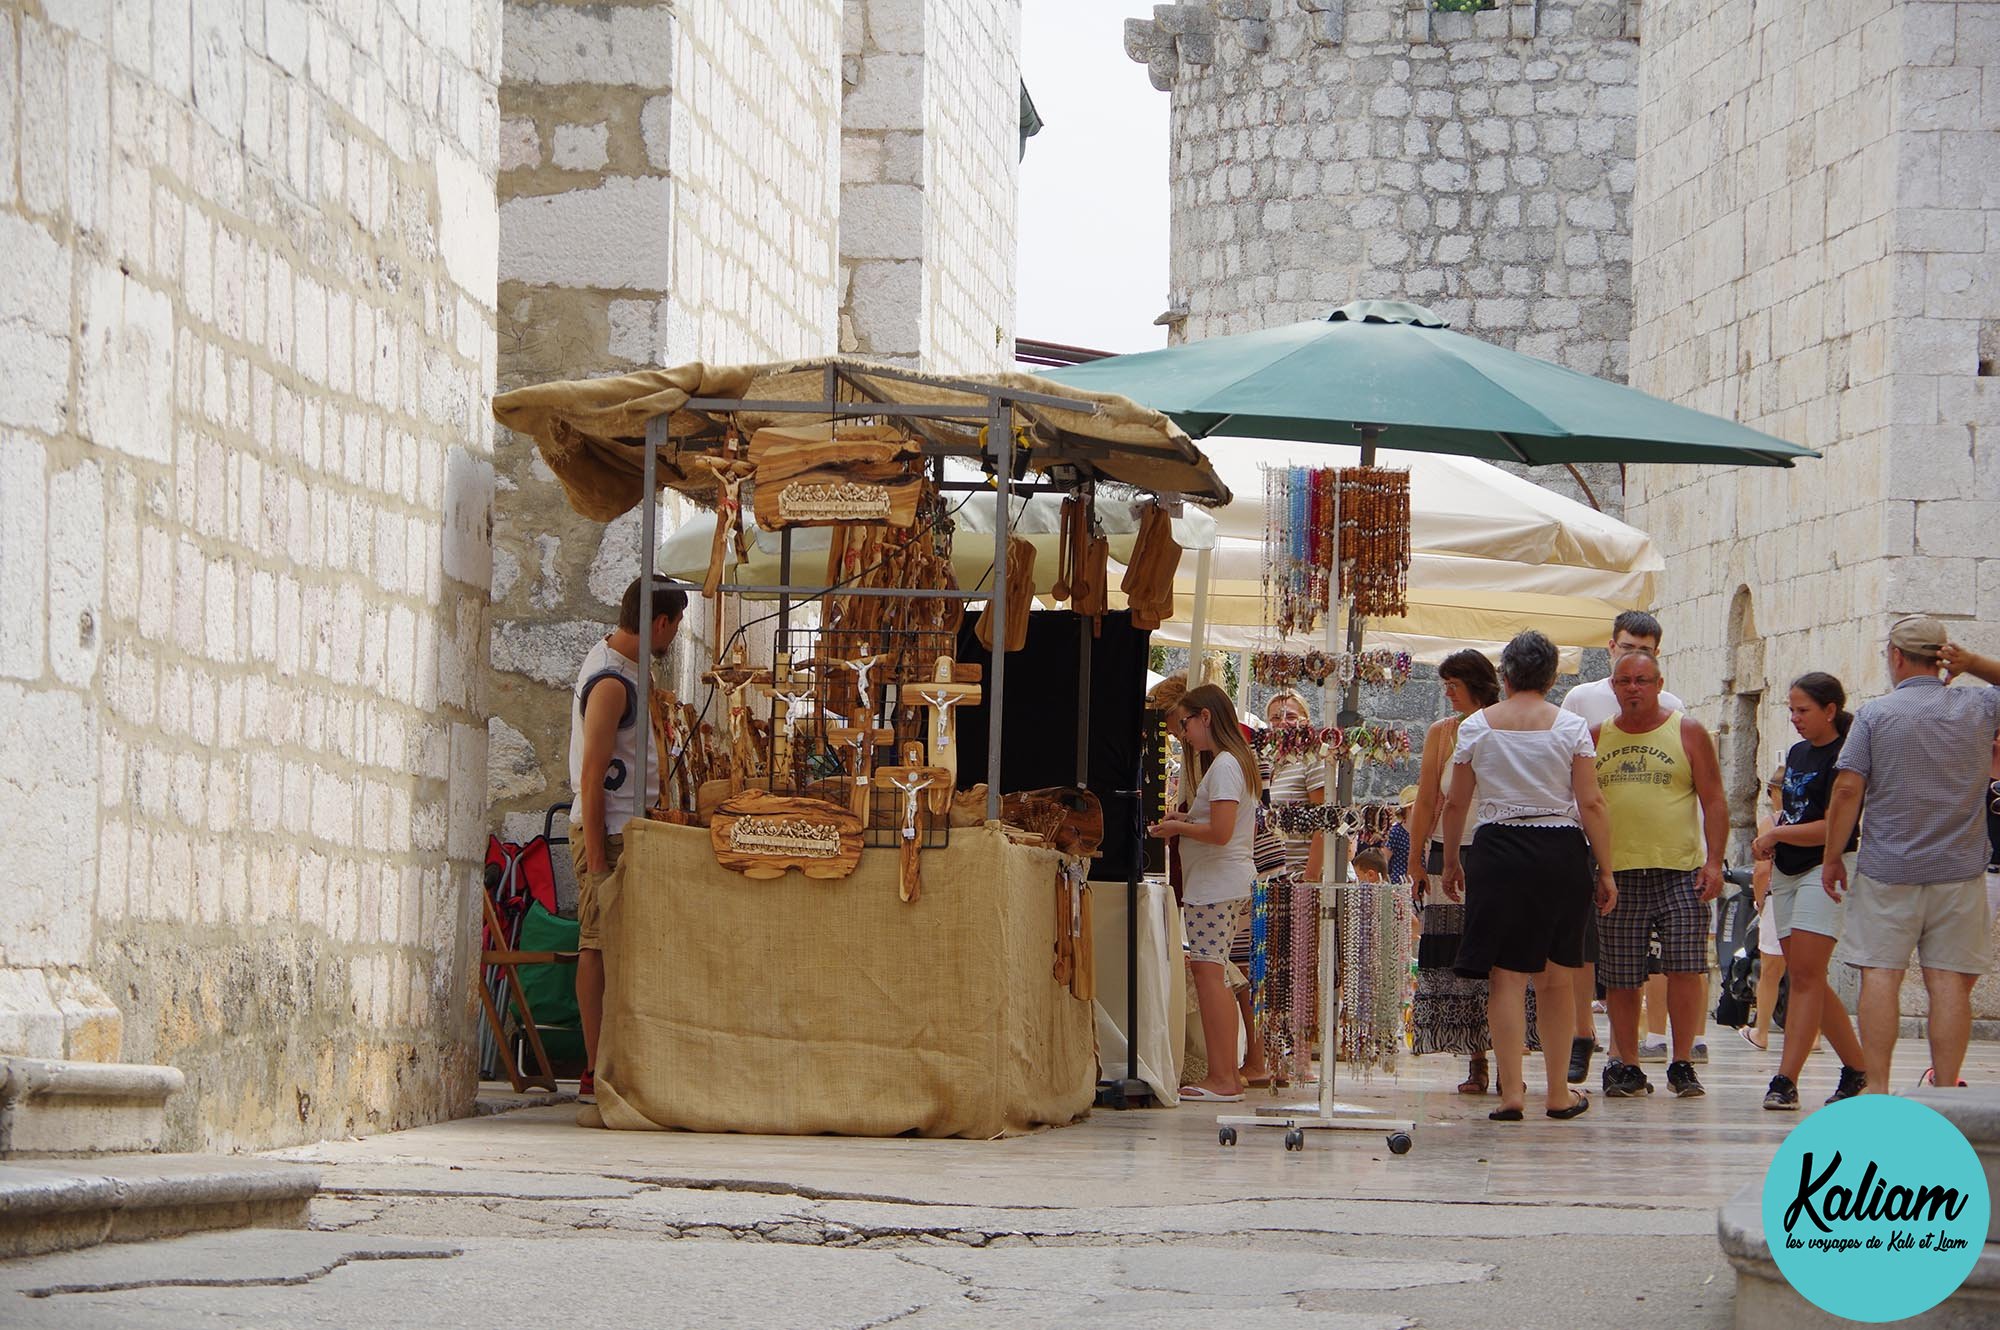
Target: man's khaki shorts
1943,922
587,883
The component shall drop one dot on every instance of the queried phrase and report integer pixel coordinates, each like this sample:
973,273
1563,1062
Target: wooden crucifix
795,692
917,786
941,693
862,740
863,665
736,679
729,473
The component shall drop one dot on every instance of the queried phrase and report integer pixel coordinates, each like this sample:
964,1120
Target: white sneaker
1700,1051
1652,1050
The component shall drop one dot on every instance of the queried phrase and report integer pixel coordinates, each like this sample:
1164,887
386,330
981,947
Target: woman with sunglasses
1217,869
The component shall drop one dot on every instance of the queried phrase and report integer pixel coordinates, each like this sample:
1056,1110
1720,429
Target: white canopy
1491,555
1037,518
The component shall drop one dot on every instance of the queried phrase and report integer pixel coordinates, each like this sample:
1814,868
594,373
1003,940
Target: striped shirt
1924,750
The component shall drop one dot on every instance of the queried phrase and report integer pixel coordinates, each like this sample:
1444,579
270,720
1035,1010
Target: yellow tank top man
1663,788
1649,788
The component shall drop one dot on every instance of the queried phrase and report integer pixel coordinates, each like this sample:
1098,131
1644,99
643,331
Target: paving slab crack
244,1281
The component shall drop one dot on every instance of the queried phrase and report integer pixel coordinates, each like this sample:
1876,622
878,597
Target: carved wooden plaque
764,835
831,483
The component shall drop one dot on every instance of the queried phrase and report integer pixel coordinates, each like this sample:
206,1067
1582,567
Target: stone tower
1480,164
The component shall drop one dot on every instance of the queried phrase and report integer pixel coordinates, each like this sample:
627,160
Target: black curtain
1040,720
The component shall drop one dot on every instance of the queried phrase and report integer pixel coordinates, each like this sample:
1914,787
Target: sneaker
1622,1080
1579,1060
1783,1096
1929,1078
1652,1050
1853,1081
1700,1053
586,1089
1681,1080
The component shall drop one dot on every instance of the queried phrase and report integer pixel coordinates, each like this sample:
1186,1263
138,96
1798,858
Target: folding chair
505,899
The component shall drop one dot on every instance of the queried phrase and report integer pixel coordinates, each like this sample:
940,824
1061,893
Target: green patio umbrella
1392,365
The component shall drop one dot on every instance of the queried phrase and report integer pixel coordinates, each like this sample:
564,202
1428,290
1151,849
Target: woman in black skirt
1529,769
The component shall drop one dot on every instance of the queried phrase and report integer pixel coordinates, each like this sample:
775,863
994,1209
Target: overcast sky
1093,227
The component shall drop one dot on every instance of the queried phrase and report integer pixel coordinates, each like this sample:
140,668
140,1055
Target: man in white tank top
605,732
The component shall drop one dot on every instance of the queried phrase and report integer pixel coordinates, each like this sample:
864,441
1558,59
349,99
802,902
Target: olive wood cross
863,741
918,785
940,693
729,473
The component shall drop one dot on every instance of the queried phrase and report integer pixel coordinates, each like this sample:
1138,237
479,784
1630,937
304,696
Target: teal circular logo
1876,1208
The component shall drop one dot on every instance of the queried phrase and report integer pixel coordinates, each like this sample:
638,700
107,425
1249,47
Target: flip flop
1579,1105
1505,1115
1196,1092
1749,1039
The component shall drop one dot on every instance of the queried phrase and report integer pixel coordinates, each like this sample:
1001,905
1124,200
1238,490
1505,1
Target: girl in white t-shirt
1217,869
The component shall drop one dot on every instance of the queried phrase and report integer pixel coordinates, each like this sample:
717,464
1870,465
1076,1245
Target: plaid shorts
1652,900
1210,927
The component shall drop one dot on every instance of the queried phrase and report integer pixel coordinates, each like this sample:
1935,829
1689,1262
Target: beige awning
592,431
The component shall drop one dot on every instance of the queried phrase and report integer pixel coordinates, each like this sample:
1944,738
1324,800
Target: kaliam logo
1876,1208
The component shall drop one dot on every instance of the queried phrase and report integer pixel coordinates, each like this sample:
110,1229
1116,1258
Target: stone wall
929,156
1813,255
668,192
246,307
713,181
1480,164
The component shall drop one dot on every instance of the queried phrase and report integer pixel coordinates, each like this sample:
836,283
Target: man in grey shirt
1919,756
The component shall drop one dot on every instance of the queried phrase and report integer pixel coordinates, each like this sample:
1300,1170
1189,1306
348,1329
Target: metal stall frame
998,450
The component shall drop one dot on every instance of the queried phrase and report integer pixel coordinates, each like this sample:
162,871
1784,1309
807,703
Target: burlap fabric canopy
592,431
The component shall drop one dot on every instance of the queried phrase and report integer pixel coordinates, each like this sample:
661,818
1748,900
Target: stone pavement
1129,1219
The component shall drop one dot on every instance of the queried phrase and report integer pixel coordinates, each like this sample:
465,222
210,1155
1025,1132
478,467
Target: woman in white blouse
1529,768
1217,870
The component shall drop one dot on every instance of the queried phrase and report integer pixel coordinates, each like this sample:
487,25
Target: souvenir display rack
1370,571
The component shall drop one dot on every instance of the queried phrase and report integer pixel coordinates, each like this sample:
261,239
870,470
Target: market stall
848,931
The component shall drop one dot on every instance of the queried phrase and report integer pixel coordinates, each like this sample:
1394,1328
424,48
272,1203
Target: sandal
1505,1115
1579,1105
1475,1081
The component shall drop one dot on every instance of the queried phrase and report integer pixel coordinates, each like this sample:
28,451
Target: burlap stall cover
797,1007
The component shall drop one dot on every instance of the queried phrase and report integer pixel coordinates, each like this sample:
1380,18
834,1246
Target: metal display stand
1329,1114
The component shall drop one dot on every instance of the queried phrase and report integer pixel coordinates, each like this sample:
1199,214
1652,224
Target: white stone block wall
972,146
1814,235
1478,164
247,258
669,192
930,152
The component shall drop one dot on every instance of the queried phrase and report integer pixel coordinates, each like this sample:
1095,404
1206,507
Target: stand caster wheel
1399,1142
1225,1135
1295,1139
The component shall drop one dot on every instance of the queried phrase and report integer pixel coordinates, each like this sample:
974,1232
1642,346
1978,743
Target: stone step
50,1205
1975,1111
1764,1298
80,1108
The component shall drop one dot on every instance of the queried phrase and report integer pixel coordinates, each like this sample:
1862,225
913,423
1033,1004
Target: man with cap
1917,757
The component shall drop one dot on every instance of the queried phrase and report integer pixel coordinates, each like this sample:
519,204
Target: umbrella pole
1198,622
1343,796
